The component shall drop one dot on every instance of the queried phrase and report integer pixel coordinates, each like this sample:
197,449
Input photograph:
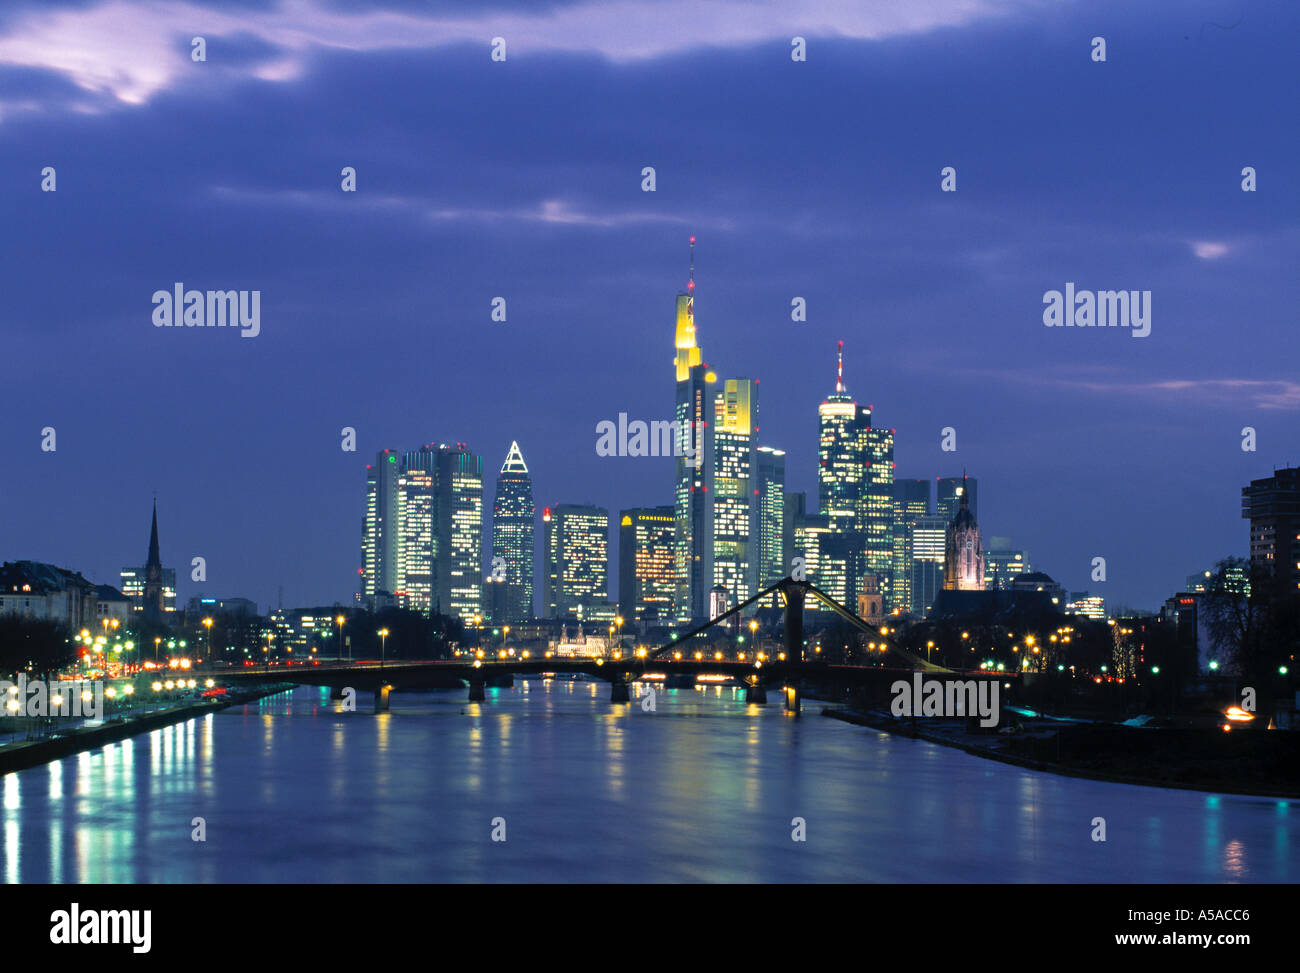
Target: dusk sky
522,179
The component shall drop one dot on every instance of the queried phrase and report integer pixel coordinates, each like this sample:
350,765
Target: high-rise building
926,540
647,583
855,487
151,589
911,501
771,564
416,529
514,537
842,460
459,491
1272,505
876,511
963,560
692,500
950,493
380,539
1002,563
422,536
576,560
733,488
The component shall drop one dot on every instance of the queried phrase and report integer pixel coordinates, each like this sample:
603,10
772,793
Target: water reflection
296,789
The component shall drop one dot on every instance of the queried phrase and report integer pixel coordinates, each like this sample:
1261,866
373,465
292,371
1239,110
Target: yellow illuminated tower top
688,351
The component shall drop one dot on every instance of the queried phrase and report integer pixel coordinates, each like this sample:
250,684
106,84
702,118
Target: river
705,788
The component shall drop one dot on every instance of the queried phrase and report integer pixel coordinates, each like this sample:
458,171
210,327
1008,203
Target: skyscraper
841,455
771,564
459,490
693,510
416,530
380,540
1272,505
926,541
911,502
514,536
575,558
732,487
647,584
421,543
855,487
876,511
963,560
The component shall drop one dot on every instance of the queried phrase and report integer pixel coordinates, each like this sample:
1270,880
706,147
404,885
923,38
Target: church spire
154,556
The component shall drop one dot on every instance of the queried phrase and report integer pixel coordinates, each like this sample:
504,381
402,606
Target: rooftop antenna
839,372
690,284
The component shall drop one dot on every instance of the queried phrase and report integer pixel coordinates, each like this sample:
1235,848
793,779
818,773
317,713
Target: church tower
963,556
153,575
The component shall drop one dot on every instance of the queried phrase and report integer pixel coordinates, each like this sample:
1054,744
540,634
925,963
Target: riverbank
24,754
1258,763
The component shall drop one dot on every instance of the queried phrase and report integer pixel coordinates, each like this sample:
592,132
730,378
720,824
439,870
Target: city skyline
937,296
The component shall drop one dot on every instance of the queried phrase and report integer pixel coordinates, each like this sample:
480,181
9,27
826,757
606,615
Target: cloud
125,53
548,211
1209,249
1271,394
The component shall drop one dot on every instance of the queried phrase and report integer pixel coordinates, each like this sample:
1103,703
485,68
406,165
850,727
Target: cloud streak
122,53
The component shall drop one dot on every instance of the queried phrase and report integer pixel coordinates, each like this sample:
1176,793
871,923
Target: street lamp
156,642
270,637
383,643
339,646
207,623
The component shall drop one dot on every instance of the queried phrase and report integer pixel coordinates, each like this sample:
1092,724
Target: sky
481,178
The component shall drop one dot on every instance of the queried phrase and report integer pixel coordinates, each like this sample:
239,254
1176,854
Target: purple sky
521,179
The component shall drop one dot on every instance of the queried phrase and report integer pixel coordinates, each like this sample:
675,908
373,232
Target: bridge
791,671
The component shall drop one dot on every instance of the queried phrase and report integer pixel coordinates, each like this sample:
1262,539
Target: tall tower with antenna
692,503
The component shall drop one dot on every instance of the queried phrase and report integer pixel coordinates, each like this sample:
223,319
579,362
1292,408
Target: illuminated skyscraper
772,564
842,460
514,536
733,488
417,530
876,511
926,539
575,559
647,584
459,488
692,501
855,488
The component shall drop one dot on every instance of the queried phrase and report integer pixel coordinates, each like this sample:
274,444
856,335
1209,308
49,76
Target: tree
34,645
1236,612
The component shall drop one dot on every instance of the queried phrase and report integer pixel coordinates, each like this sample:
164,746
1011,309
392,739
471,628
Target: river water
705,788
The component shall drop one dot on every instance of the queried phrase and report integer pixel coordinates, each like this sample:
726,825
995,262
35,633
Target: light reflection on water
702,789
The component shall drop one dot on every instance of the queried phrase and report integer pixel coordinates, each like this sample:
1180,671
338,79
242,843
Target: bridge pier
792,700
477,692
756,692
381,699
794,598
620,692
